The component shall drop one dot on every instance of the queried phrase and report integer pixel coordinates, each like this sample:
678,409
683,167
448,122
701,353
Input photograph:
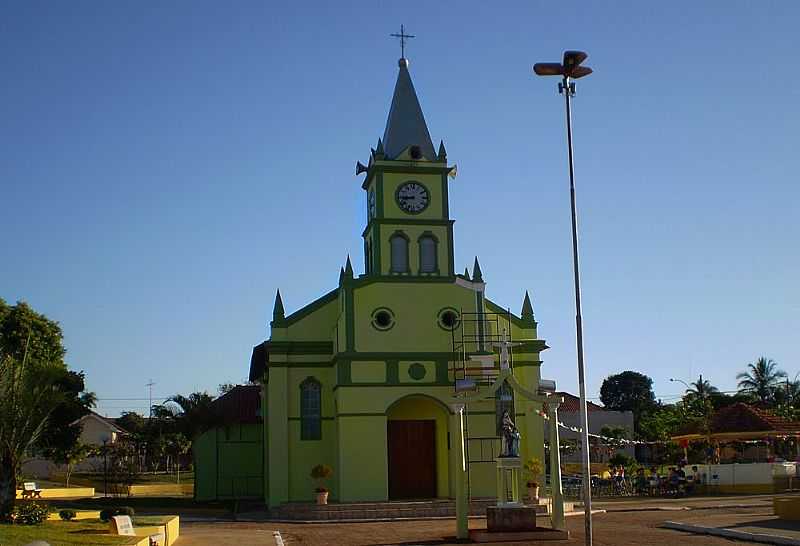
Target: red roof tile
240,405
742,417
571,403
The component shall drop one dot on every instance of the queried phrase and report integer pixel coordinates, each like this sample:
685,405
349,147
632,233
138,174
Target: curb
682,508
729,533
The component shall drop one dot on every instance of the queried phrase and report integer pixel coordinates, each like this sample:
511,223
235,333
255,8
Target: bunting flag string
577,430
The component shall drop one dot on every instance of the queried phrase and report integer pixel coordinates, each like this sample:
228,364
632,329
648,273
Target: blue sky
166,166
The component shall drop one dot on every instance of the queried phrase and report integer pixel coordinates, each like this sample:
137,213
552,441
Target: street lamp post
571,69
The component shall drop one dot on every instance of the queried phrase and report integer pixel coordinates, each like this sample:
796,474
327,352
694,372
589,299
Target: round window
382,319
416,371
448,319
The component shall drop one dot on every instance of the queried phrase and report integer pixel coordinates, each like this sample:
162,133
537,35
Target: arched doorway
417,448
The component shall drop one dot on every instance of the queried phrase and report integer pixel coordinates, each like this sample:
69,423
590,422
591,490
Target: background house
95,431
599,417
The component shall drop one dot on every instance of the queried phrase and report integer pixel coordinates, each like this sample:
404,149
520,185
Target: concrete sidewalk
751,525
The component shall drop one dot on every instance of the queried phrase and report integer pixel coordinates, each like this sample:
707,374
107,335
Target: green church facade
364,379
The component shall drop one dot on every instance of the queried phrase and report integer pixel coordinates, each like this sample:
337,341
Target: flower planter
322,498
533,494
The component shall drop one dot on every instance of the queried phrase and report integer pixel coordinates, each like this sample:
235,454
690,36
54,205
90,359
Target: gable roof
258,362
745,418
406,125
572,403
110,423
241,405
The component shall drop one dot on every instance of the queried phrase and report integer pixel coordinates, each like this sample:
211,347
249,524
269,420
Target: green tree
34,383
192,414
70,457
701,388
628,391
761,380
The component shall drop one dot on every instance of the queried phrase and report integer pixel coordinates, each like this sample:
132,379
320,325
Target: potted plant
321,472
533,469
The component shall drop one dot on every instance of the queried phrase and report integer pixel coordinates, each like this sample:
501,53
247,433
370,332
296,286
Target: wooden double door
412,459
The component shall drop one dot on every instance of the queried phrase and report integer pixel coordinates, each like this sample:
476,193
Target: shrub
107,513
67,515
321,472
31,513
533,470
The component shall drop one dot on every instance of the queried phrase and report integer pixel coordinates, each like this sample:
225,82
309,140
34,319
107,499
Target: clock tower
409,232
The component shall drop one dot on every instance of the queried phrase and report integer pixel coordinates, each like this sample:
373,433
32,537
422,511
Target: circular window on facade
382,318
448,319
416,371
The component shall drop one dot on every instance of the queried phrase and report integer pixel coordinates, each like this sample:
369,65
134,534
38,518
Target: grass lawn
89,531
59,533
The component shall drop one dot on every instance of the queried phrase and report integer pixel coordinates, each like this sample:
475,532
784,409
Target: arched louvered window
399,245
310,409
427,254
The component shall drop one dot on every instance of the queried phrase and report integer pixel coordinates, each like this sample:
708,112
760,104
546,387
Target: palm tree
193,414
761,379
701,388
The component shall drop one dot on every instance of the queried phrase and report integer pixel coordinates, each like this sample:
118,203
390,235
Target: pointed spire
278,314
341,275
527,309
348,268
477,275
405,125
442,152
379,150
466,273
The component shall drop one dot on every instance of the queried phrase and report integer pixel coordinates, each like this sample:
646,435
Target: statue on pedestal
509,440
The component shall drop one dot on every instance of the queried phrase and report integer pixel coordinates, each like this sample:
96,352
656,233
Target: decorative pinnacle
379,150
348,268
442,151
477,275
527,309
277,311
466,272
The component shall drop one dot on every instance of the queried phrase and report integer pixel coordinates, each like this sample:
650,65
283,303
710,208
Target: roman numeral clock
412,197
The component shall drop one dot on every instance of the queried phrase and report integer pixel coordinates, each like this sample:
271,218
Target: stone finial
348,268
442,156
527,309
278,314
477,275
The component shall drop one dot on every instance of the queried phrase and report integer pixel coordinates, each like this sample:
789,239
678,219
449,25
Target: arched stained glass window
399,246
310,409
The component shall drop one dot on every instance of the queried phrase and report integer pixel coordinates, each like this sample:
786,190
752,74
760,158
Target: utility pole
150,385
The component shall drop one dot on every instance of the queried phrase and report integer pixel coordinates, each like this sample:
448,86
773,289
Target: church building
364,378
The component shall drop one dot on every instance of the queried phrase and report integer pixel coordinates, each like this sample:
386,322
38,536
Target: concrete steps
366,511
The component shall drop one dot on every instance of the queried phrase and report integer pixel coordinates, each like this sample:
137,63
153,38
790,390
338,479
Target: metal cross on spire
403,37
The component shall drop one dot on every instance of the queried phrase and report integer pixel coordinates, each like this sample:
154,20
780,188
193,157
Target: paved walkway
744,521
613,529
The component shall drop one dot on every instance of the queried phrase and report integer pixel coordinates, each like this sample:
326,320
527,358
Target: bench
29,491
123,526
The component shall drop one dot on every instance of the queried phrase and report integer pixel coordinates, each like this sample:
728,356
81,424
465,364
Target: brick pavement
613,529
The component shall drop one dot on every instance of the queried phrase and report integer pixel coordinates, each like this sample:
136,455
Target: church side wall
305,454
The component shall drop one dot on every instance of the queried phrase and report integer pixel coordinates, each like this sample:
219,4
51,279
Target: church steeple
406,125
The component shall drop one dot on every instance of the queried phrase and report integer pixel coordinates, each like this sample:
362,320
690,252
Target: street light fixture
570,69
672,380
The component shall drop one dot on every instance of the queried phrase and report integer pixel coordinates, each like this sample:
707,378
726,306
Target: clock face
413,197
371,204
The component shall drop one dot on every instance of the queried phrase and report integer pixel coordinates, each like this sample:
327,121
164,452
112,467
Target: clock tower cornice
409,167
